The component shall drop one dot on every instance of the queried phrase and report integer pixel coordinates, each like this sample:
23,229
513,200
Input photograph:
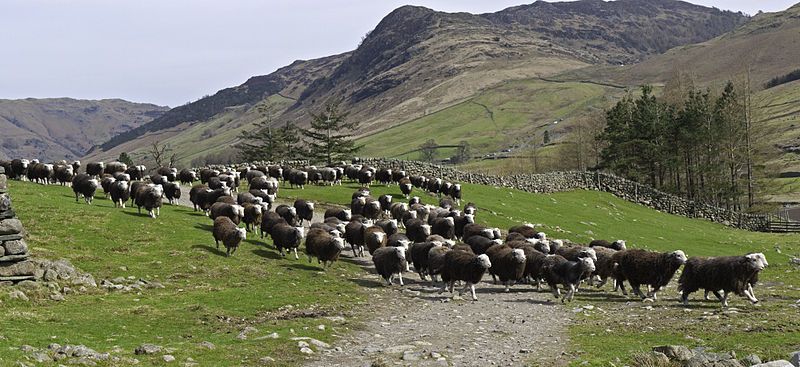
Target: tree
267,143
159,152
328,137
463,153
125,158
428,150
546,138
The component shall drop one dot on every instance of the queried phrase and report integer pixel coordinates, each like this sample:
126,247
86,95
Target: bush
783,79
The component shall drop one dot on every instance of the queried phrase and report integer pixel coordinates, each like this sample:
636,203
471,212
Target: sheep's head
488,233
540,236
496,233
310,206
407,186
226,190
361,200
678,256
529,225
341,227
257,209
124,177
123,185
497,242
380,236
588,252
449,243
393,223
756,261
388,198
450,221
238,210
414,200
339,243
470,218
542,246
404,243
102,164
242,233
518,255
401,252
426,229
588,264
557,243
620,245
483,260
292,211
300,232
470,210
271,198
375,205
413,214
93,183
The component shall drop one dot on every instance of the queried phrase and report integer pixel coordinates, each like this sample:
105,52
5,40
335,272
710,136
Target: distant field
495,119
202,286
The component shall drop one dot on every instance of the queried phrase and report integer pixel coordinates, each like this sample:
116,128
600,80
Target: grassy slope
203,288
519,108
237,286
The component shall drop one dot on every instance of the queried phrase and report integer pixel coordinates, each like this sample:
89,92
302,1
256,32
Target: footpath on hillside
414,325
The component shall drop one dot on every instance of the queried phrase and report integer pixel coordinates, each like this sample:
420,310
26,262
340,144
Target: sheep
95,169
328,175
459,222
374,238
251,215
84,185
398,240
208,197
390,261
120,193
419,181
248,198
264,183
149,197
172,192
186,176
354,235
322,245
436,260
275,172
304,209
389,226
384,176
397,210
339,213
455,193
194,194
265,196
405,186
220,209
357,205
414,200
231,179
230,234
617,245
645,267
207,173
417,230
555,245
365,176
480,244
419,256
605,266
726,273
474,229
444,227
461,246
470,208
213,182
527,230
558,270
105,184
508,264
114,167
460,265
434,185
440,239
288,213
371,209
136,173
423,212
121,176
572,253
335,230
385,202
298,178
534,259
253,173
64,174
287,237
268,221
41,173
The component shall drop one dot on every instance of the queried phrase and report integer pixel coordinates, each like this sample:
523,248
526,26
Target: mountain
64,128
418,61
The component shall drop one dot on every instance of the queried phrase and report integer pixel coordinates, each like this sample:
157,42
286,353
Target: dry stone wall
568,181
15,265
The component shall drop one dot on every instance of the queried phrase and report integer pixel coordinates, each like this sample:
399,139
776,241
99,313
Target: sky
170,52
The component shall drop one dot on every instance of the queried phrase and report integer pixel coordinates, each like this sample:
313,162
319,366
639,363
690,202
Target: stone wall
15,265
568,181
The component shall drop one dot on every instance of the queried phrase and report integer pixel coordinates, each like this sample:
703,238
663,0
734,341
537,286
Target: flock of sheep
440,241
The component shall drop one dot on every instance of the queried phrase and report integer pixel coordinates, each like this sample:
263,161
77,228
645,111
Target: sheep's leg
389,279
217,241
400,276
750,296
158,211
602,282
234,250
508,285
685,298
716,294
421,275
444,287
494,279
228,252
282,253
705,295
570,293
725,299
621,285
309,259
750,289
408,267
295,254
555,290
472,290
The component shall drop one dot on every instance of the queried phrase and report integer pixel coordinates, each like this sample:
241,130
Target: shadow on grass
135,213
302,266
368,283
266,254
207,227
210,249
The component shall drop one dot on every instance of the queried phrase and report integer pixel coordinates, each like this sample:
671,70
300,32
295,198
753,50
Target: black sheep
120,193
725,273
339,213
268,221
480,244
374,238
230,235
436,260
172,192
298,178
386,202
95,168
354,235
419,256
84,185
405,186
252,215
232,211
187,176
390,261
508,264
389,226
325,247
149,197
444,227
558,270
617,245
286,237
639,267
371,209
417,230
304,209
460,265
288,213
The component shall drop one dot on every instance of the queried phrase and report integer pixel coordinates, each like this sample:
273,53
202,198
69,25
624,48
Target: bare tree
159,152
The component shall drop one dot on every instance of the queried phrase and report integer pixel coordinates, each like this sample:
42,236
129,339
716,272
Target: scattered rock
168,358
306,350
145,349
320,344
18,294
751,360
411,356
57,297
248,330
208,345
779,363
795,359
676,352
266,360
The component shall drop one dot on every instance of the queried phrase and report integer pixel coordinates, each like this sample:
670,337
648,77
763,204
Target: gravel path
414,325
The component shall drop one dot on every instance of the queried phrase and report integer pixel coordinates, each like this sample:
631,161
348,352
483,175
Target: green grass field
210,297
493,120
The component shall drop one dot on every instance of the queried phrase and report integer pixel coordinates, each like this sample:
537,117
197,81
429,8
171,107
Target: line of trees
689,142
329,138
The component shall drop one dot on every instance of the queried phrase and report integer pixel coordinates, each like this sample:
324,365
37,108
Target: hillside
65,128
418,61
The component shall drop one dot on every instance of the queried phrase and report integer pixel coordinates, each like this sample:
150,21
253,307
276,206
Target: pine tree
125,158
330,139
